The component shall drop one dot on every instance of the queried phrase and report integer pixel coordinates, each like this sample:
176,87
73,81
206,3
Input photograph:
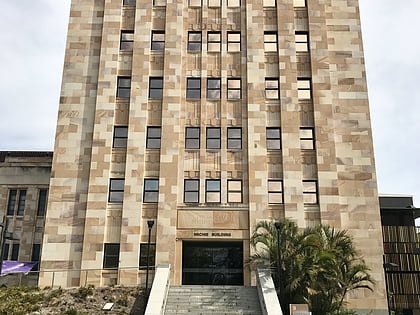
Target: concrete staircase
212,300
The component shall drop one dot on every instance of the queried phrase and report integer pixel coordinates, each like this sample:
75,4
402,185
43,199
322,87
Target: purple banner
16,266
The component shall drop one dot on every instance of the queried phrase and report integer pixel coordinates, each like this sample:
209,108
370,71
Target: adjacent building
205,116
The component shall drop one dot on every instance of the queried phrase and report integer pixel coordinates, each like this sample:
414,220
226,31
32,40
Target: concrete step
214,300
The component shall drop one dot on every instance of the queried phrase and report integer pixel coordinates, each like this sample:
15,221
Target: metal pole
149,225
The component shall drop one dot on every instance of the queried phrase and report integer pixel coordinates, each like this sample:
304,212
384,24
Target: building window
156,87
234,41
213,138
120,137
273,136
42,202
275,191
304,89
15,252
194,41
234,138
233,3
127,40
301,39
270,41
116,190
129,2
213,190
194,3
307,139
111,256
11,204
123,87
272,89
143,256
158,40
213,41
153,137
310,192
151,190
193,88
214,3
234,191
234,89
299,3
36,254
21,202
191,190
269,3
192,138
213,89
6,251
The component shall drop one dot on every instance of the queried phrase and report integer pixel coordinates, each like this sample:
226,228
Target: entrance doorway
212,263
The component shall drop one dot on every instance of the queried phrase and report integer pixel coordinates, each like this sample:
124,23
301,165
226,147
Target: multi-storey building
24,181
207,116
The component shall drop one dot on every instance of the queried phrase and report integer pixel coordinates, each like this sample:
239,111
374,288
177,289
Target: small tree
318,266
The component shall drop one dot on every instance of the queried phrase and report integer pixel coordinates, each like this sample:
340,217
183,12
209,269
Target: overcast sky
33,34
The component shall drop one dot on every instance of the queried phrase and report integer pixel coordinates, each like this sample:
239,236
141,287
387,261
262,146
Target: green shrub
85,291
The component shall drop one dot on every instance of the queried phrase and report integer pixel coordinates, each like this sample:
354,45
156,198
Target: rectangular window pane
144,258
21,203
307,140
275,191
158,40
151,190
42,202
15,252
234,88
156,87
310,192
301,41
234,138
273,138
304,88
129,2
299,3
11,202
214,3
111,256
123,87
36,253
234,191
191,190
193,88
6,252
213,138
213,41
192,138
212,190
194,41
234,41
153,137
127,40
194,3
234,3
116,190
213,88
272,88
269,3
270,41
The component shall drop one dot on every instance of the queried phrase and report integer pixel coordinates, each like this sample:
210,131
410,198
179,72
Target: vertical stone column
65,220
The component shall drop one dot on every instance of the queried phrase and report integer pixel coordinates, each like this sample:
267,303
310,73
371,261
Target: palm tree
318,266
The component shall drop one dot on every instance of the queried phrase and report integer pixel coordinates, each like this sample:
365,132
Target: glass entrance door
212,263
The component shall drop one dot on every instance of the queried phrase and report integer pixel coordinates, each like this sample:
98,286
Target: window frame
126,44
14,255
123,89
129,3
42,202
20,210
193,138
155,87
116,191
313,193
232,91
154,193
216,43
11,201
194,45
272,90
275,193
233,138
268,43
303,90
120,137
217,192
192,90
6,250
304,139
195,3
302,46
272,4
232,191
235,44
115,258
196,191
272,139
211,3
36,255
152,256
157,44
233,3
153,141
210,138
298,3
211,89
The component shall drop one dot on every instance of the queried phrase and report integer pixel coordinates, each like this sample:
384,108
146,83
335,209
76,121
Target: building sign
212,234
